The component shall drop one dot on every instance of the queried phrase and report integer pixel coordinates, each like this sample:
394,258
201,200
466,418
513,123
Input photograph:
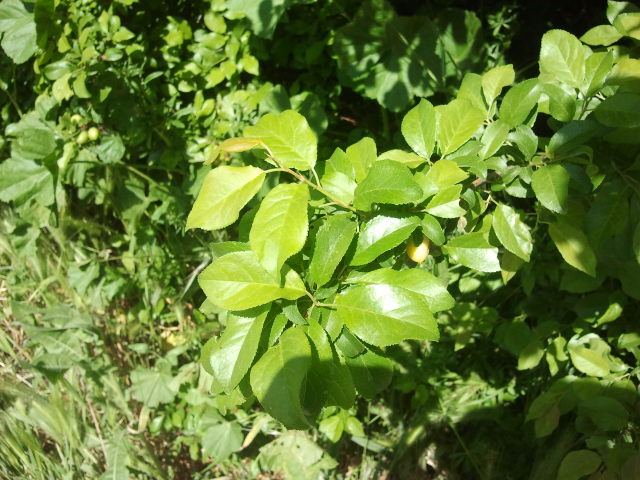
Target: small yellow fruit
418,253
82,137
76,118
93,133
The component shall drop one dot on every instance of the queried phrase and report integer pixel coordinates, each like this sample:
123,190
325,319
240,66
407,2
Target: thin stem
13,102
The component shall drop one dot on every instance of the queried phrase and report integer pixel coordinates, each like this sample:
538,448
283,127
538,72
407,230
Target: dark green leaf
332,241
578,464
574,247
371,373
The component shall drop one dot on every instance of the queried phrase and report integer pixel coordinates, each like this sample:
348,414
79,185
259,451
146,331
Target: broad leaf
474,251
331,244
153,386
232,355
512,232
415,280
419,128
371,373
385,315
288,137
457,122
330,376
574,246
442,174
550,183
280,227
224,192
339,176
221,440
601,35
562,58
23,180
518,102
571,136
387,182
446,203
493,137
495,80
277,378
361,155
237,281
620,110
608,216
578,464
381,234
19,28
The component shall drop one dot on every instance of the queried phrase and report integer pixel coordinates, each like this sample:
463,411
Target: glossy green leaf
237,281
280,227
232,355
224,192
419,128
601,35
550,183
518,102
371,373
23,180
385,315
387,182
19,28
277,379
339,177
571,136
409,159
578,464
588,355
446,203
361,155
620,110
562,58
221,440
598,67
415,280
493,137
562,102
328,371
512,232
288,137
574,246
432,229
381,234
457,122
495,80
442,174
474,251
331,244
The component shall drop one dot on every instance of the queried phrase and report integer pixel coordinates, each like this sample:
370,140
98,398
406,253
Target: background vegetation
108,111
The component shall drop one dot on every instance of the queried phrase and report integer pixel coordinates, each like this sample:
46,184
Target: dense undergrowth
111,113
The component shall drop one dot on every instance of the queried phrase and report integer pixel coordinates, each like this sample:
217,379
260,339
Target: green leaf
495,80
224,192
263,15
493,138
457,122
280,227
332,427
385,315
442,174
220,441
419,128
361,155
277,378
550,183
117,457
636,243
512,232
518,102
331,376
339,177
620,110
332,242
446,203
601,35
606,413
562,58
573,246
23,180
562,101
288,137
19,27
531,354
387,182
588,355
381,234
571,136
608,216
409,159
153,387
598,67
232,355
371,373
474,251
578,464
237,281
432,229
415,280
